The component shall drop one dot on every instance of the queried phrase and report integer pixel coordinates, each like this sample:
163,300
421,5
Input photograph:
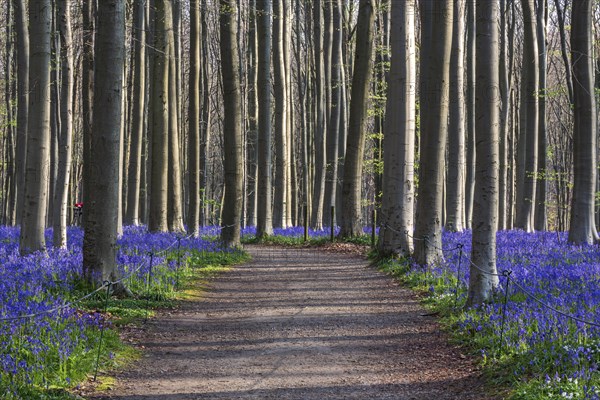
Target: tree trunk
37,171
541,223
470,109
232,126
87,83
252,125
22,47
399,136
436,23
483,278
582,228
264,225
351,221
175,191
281,116
455,196
320,129
160,122
100,238
132,215
193,221
66,126
529,122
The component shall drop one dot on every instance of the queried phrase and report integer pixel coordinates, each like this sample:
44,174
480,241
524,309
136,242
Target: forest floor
298,324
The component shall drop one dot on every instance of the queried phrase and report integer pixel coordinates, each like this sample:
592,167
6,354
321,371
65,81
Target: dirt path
299,324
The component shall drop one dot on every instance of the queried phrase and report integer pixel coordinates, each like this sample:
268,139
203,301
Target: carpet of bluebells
42,326
551,330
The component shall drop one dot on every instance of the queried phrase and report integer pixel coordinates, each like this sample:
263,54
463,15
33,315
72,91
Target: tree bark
436,23
22,47
132,215
399,136
232,126
529,122
37,171
264,225
66,127
470,109
100,237
351,221
582,228
483,278
541,217
455,196
160,122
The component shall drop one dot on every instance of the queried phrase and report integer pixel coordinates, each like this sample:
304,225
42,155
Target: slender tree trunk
22,48
333,129
320,130
582,225
232,126
205,121
175,191
529,123
37,171
399,136
351,221
505,88
484,279
193,222
436,23
100,238
87,83
252,134
455,196
470,110
264,212
160,122
281,116
132,215
541,219
66,126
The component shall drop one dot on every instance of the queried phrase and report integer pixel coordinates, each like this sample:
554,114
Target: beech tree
583,227
529,123
436,44
264,225
351,221
37,171
100,237
232,125
399,136
483,275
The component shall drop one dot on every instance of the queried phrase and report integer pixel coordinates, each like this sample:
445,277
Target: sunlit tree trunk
100,238
436,39
252,124
175,191
132,214
232,125
542,181
281,116
320,129
66,126
470,114
483,278
455,180
351,221
583,227
529,122
37,172
399,136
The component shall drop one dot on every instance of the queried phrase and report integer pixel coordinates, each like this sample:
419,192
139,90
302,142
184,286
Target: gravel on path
299,324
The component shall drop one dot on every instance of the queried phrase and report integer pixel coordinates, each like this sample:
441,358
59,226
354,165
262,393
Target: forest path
299,324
